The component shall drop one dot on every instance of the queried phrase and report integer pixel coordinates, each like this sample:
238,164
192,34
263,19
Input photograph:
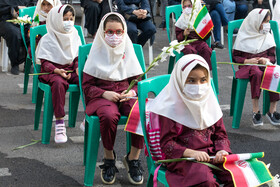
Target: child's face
113,27
265,21
46,6
187,3
68,16
197,76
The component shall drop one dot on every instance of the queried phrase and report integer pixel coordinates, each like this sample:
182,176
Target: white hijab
184,20
174,104
38,9
58,46
249,39
276,12
113,64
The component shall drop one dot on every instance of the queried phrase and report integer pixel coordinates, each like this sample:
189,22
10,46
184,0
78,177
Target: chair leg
128,142
239,102
74,99
215,71
85,141
233,94
35,88
28,63
47,118
38,109
92,152
266,102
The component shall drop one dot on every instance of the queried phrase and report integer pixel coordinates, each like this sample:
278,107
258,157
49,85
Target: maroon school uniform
199,47
210,140
254,73
108,112
58,84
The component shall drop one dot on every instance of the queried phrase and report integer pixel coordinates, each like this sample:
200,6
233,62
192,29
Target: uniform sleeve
90,89
47,66
271,55
179,34
168,136
238,57
220,139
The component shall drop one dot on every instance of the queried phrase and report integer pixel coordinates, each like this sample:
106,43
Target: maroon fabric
58,84
210,140
108,111
254,73
197,47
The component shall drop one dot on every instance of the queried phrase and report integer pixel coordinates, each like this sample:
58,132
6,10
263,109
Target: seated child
191,125
184,30
111,66
254,44
58,52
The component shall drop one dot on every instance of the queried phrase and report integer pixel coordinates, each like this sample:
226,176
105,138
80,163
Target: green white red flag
203,23
246,170
271,79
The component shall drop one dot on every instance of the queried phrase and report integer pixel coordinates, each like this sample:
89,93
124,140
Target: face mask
43,13
113,40
68,25
195,91
266,28
188,10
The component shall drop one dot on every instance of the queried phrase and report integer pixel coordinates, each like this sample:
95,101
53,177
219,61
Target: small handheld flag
271,79
203,23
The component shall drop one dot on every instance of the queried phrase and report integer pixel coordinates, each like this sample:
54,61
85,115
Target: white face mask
188,10
266,28
196,91
113,40
43,13
68,25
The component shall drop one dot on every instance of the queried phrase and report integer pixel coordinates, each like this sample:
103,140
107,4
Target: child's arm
179,34
91,91
220,138
200,156
240,58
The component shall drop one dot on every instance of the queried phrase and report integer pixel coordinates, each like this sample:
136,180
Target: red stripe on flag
133,119
206,29
236,172
268,77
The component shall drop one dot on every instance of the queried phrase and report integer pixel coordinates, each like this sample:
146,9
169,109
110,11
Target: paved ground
61,165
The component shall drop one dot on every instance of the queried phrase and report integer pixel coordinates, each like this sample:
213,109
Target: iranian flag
203,23
271,79
133,123
246,170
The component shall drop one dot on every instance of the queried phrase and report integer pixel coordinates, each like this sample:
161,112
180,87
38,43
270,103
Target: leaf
23,146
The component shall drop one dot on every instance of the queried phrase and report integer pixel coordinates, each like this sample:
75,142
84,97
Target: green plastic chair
177,11
154,85
92,125
37,68
46,89
22,12
239,86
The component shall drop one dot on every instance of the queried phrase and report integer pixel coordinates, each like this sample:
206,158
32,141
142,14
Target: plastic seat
92,125
42,89
42,29
28,62
177,11
4,55
239,86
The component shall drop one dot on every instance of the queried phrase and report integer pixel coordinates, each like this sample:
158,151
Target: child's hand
124,96
219,158
111,96
251,61
187,32
263,60
62,73
200,156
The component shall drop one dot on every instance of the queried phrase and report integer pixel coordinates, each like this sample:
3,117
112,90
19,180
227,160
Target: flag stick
70,71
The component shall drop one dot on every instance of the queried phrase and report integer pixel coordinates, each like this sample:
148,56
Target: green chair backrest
177,10
237,24
42,30
22,12
83,54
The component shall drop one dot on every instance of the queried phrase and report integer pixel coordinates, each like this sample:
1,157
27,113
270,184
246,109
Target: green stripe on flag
259,168
200,16
278,88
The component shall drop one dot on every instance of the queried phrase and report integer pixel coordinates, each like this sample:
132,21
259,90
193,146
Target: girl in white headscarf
191,124
109,69
255,44
43,7
184,30
58,52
